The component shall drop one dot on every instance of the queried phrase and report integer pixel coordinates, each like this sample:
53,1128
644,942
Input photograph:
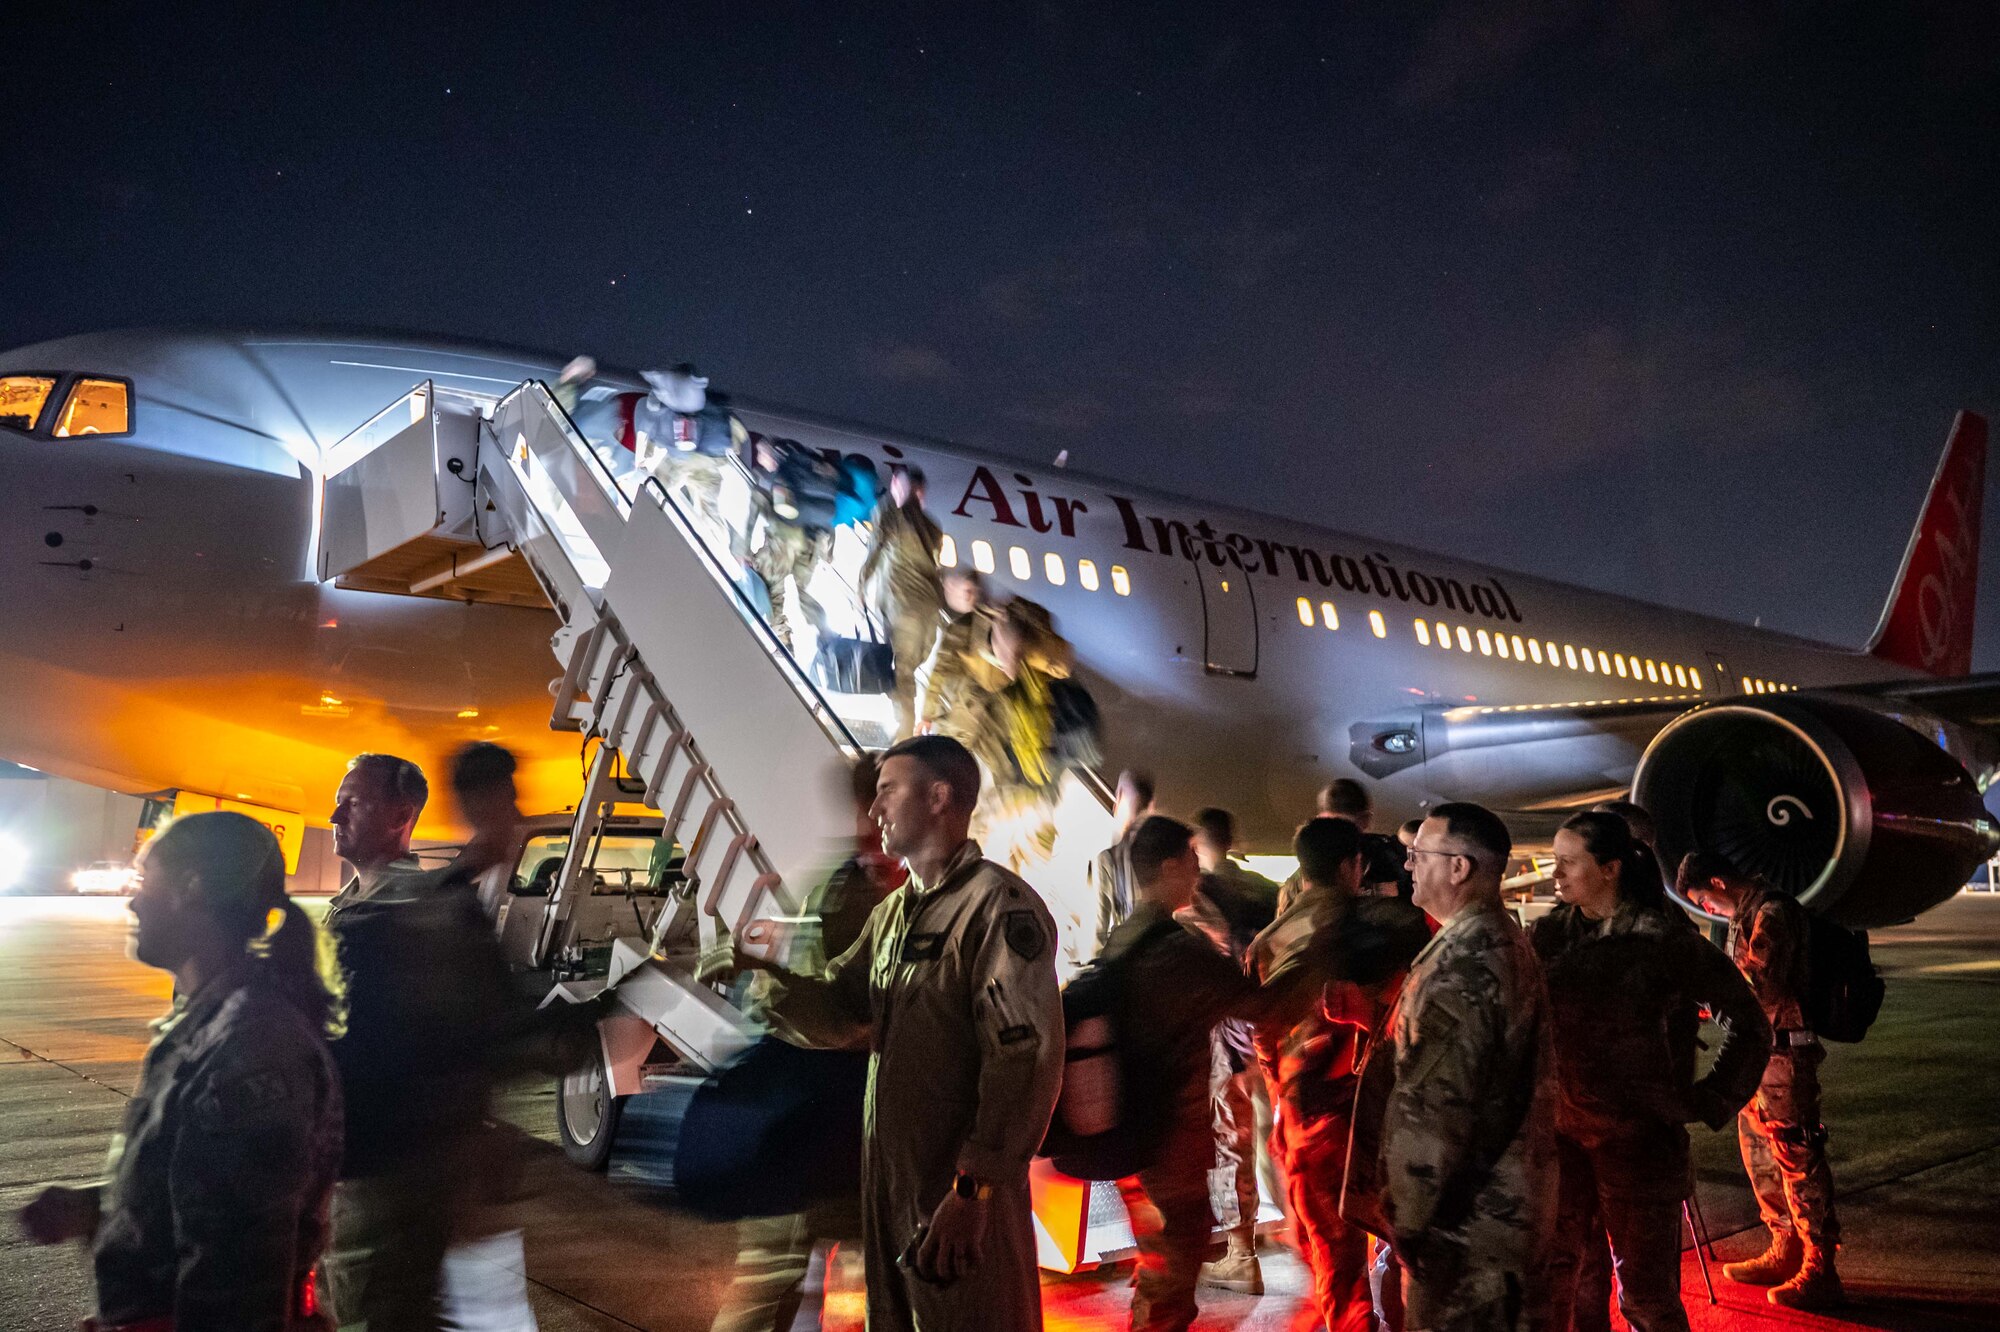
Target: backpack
1111,1117
709,433
1078,731
1843,989
812,481
860,491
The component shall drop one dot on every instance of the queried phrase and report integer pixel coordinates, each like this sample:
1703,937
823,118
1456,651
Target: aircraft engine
1852,812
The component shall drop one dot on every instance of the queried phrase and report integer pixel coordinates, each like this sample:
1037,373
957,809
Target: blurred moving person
428,1012
1455,1162
1111,872
961,678
1627,975
1176,989
1247,899
953,982
1782,1138
601,413
899,576
214,1209
776,1254
1341,798
796,493
685,436
1023,744
1313,1063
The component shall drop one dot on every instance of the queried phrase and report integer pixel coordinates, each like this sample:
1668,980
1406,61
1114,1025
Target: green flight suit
954,985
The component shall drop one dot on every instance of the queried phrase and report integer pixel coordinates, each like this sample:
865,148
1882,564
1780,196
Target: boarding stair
678,688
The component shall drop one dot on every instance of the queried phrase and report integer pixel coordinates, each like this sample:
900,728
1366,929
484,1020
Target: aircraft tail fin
1927,625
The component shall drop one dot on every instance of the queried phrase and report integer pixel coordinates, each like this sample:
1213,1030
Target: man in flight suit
953,983
1783,1141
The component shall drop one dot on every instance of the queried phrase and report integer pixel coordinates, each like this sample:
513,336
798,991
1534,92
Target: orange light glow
95,407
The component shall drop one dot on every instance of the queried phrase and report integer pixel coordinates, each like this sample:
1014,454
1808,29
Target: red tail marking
1928,625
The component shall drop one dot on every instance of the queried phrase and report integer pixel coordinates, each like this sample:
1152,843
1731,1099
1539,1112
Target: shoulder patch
1024,934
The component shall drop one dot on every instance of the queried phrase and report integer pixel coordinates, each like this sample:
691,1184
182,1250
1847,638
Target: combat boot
1817,1285
1777,1264
1236,1270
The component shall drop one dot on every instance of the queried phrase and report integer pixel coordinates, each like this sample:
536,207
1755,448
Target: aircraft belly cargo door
1229,617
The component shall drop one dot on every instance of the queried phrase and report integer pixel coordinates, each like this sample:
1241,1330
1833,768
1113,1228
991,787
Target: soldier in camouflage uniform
900,577
215,1210
961,676
1783,1141
1176,987
1460,1123
953,984
1627,973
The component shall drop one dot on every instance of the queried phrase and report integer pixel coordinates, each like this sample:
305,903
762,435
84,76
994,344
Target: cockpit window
96,407
22,398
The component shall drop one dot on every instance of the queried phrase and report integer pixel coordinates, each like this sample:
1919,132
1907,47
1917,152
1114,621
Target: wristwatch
971,1187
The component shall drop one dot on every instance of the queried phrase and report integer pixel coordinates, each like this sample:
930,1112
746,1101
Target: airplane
166,629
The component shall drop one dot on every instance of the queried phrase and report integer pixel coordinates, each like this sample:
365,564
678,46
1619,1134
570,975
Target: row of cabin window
1513,647
1021,565
92,406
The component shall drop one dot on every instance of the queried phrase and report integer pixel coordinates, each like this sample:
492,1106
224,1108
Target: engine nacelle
1859,817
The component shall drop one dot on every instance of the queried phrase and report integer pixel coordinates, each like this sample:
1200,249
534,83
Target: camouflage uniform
1454,1156
216,1209
1623,996
1311,1062
961,677
1783,1141
954,985
1232,906
901,577
789,557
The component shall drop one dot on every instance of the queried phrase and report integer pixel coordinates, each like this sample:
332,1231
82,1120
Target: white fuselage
162,627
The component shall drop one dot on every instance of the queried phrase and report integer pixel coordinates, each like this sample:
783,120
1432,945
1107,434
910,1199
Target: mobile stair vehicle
708,801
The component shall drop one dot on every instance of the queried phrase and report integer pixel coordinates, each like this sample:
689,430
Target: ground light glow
13,860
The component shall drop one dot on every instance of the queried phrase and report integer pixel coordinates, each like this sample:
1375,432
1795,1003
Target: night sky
1675,300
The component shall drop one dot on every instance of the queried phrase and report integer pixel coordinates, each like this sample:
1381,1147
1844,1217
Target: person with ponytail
1628,975
215,1207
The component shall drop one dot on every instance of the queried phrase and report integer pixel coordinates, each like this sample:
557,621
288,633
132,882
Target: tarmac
1914,1114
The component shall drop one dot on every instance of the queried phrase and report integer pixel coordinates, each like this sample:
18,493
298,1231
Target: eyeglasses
1426,851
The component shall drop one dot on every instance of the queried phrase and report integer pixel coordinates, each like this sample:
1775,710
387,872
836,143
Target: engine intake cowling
1850,811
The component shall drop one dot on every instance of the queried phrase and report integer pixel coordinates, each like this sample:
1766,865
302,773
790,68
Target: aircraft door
1229,617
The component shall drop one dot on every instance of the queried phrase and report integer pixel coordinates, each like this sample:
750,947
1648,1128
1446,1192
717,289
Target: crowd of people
993,674
1468,1124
